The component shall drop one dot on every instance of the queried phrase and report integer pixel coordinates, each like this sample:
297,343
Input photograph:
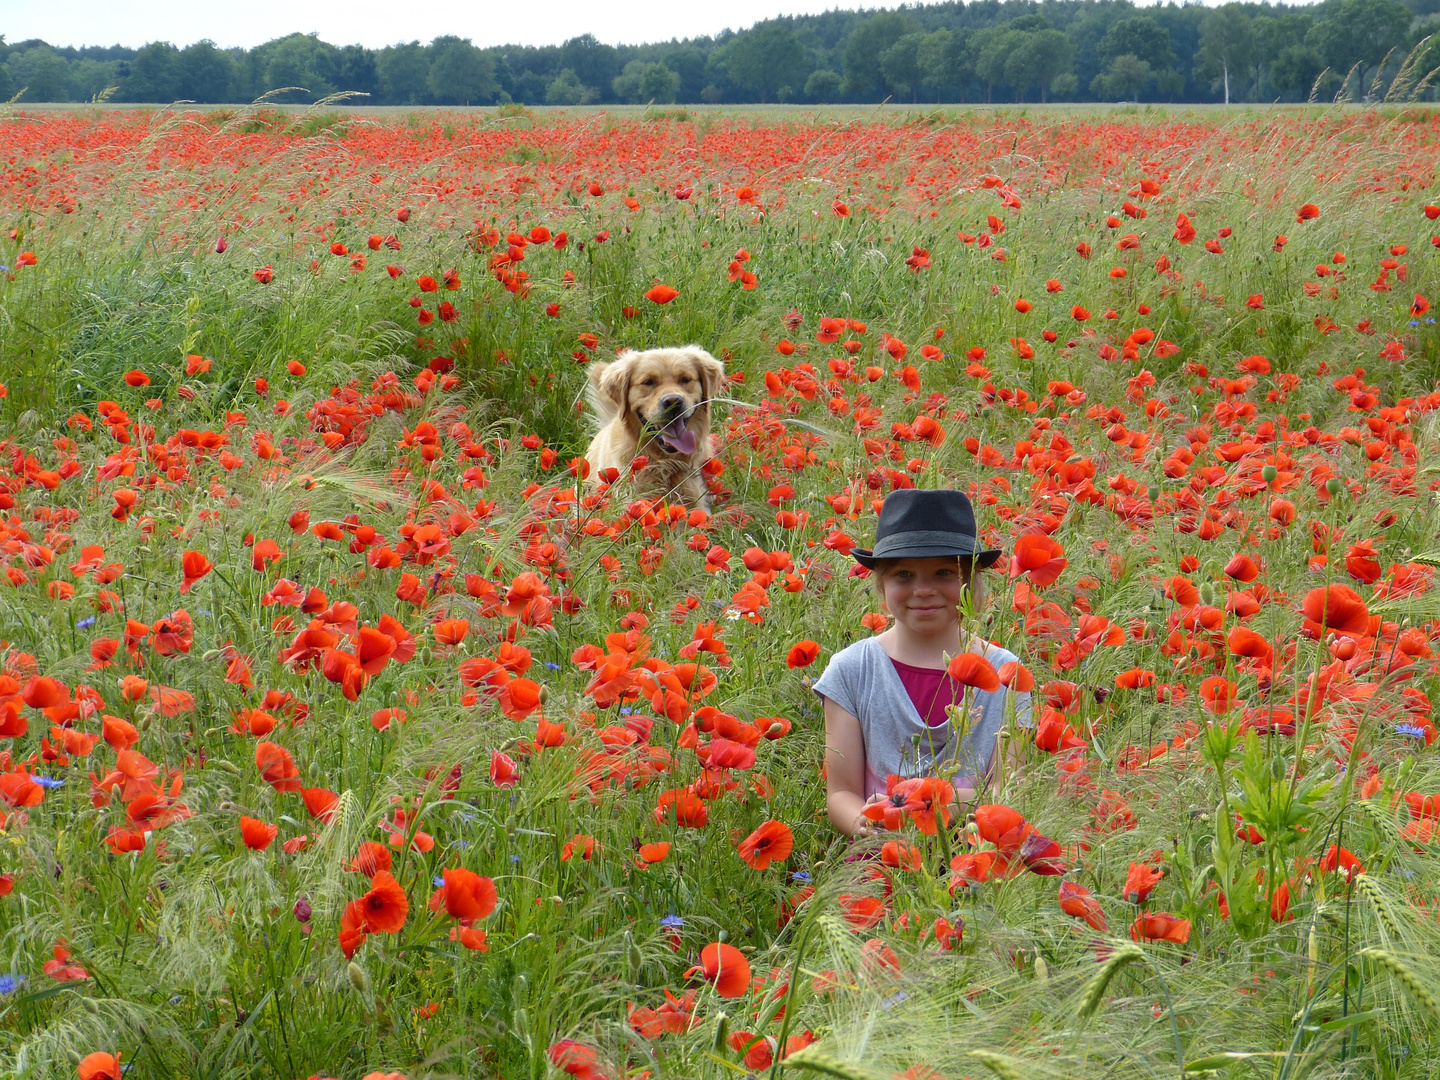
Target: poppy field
351,727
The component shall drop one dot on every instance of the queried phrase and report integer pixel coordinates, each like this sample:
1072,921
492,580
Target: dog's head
663,395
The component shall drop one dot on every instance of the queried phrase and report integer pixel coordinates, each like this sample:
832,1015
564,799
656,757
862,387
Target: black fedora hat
916,524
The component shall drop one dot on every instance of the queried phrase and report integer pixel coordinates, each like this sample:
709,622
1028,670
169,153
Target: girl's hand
863,825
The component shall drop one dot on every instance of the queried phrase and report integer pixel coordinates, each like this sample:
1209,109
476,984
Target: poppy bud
74,1056
358,977
1207,593
220,246
302,910
1268,473
544,694
722,936
315,770
1332,486
1153,492
1042,969
91,1005
722,1034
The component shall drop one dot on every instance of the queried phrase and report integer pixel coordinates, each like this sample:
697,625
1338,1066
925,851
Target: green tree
1226,45
642,82
594,63
154,75
864,79
90,78
945,62
1039,58
356,70
1125,77
824,85
1355,35
567,89
1295,69
205,73
1141,36
900,64
766,58
460,74
302,61
404,72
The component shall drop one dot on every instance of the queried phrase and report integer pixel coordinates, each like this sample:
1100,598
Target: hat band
964,543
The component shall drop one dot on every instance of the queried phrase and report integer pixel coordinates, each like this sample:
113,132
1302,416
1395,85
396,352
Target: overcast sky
376,24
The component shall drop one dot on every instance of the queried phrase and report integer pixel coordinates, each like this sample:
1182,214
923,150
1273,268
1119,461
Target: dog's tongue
678,438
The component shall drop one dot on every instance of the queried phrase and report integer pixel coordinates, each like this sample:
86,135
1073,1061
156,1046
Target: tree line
983,51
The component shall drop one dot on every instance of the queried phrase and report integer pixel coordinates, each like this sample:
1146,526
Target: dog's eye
686,380
650,381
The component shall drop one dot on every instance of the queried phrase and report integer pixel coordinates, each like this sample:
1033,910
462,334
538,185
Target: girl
886,696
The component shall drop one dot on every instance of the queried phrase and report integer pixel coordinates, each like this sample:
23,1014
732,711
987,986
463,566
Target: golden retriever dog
656,403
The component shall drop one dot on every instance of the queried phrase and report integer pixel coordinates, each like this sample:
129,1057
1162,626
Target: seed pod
90,1005
1333,485
1269,473
359,978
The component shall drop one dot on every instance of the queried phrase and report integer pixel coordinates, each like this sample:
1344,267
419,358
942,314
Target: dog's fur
650,403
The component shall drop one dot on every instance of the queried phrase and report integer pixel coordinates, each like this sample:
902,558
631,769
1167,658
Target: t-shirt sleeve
837,684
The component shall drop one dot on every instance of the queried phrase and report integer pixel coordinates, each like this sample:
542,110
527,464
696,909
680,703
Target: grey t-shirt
862,680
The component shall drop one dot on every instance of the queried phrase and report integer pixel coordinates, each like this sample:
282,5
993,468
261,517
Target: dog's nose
672,403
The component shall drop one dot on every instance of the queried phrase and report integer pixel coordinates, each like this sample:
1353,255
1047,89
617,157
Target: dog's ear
612,381
711,370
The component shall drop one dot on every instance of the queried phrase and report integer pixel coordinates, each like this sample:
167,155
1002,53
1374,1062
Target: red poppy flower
99,1066
468,895
385,905
1160,926
802,654
1039,558
771,842
1336,609
256,834
726,968
661,294
971,669
1076,900
1140,882
195,566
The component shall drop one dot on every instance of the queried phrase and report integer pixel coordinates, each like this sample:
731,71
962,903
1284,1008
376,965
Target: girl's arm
845,771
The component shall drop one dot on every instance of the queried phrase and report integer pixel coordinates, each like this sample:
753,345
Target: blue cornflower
894,999
10,983
552,667
674,922
802,876
49,783
85,624
515,858
1413,730
437,881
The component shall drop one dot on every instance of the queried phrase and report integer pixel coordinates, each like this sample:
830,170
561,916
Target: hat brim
981,558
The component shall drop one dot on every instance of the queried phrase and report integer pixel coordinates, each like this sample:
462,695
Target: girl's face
924,594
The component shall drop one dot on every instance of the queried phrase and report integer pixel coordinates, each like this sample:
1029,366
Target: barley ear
1406,978
1095,991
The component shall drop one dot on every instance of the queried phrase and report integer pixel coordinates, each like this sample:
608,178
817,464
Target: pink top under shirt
930,690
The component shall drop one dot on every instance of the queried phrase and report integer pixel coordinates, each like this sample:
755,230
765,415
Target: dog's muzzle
671,426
